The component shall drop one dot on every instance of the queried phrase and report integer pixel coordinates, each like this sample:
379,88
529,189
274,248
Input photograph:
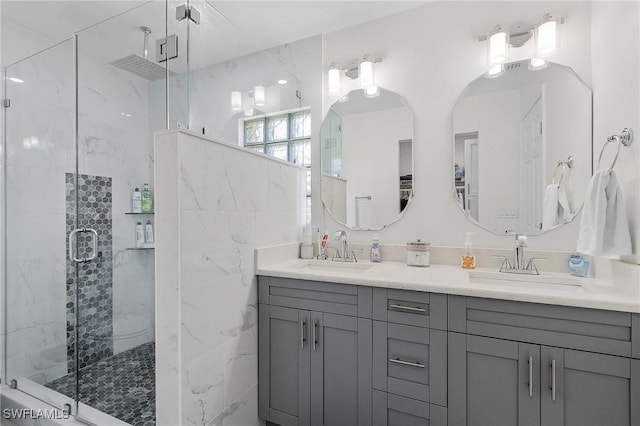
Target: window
284,135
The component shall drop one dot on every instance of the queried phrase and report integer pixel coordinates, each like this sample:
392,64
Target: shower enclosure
79,319
79,322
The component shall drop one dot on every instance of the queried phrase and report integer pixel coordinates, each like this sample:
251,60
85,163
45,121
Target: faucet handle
531,266
505,263
353,255
521,240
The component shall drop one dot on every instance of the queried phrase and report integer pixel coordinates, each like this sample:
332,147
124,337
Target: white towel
604,228
555,208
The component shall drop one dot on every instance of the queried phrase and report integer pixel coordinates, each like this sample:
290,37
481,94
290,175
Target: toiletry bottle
374,255
139,235
148,232
136,206
468,260
147,200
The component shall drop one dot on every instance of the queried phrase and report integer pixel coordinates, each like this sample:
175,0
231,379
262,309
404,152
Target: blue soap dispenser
578,265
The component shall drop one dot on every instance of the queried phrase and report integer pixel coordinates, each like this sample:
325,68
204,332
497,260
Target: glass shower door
40,174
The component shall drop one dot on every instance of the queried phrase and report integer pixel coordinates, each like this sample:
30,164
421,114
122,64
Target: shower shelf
139,213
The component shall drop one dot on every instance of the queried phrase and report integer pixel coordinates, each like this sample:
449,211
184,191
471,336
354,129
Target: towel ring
564,163
625,138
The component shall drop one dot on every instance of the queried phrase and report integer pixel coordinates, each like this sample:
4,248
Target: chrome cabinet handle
553,379
410,364
530,377
407,308
314,337
72,248
303,323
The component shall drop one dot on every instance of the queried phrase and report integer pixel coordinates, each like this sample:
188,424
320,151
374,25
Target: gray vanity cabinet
489,382
315,366
514,363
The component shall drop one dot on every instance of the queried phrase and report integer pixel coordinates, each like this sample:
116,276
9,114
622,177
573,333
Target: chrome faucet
518,266
343,253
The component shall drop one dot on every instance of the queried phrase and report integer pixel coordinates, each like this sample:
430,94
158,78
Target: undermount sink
335,266
540,282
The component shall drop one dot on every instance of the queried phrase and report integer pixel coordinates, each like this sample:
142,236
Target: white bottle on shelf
136,201
139,235
148,233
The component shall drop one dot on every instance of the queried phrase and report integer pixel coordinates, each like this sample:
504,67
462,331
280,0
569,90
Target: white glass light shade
498,45
371,92
334,78
546,37
236,100
366,72
259,95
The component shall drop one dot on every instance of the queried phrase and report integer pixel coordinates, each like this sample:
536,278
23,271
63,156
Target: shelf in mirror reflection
509,134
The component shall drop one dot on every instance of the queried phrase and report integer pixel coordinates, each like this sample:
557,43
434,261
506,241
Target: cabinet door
284,387
588,389
341,364
493,382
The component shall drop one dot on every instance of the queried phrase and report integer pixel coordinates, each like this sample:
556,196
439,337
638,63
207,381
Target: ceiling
229,29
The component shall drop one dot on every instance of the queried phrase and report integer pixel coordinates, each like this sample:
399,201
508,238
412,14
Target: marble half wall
215,203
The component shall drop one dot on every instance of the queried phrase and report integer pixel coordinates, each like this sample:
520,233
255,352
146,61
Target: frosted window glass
278,150
254,131
277,128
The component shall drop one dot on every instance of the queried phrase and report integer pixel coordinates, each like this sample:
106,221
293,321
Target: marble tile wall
215,204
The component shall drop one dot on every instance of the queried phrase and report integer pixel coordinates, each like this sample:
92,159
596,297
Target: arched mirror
522,145
367,159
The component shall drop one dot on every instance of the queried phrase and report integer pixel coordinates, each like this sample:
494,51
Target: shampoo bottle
147,200
468,260
374,255
136,201
148,232
139,235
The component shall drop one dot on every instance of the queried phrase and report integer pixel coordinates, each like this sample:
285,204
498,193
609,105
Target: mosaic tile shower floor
122,386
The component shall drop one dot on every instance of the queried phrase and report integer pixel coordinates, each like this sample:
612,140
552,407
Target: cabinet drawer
394,410
410,361
592,330
415,308
342,299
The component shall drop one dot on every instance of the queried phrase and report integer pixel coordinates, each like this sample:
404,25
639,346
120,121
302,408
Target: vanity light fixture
502,37
365,67
362,68
334,78
259,95
546,36
498,45
236,100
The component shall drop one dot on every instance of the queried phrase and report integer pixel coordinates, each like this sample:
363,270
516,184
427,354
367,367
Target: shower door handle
73,249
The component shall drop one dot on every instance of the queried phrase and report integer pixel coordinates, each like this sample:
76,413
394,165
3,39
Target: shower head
140,65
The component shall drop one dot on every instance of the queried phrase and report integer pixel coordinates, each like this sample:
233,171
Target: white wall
616,94
431,70
215,204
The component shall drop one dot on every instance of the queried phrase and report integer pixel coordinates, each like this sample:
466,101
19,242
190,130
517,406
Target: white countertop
484,282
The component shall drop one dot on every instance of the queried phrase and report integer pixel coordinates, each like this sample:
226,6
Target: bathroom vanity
391,345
